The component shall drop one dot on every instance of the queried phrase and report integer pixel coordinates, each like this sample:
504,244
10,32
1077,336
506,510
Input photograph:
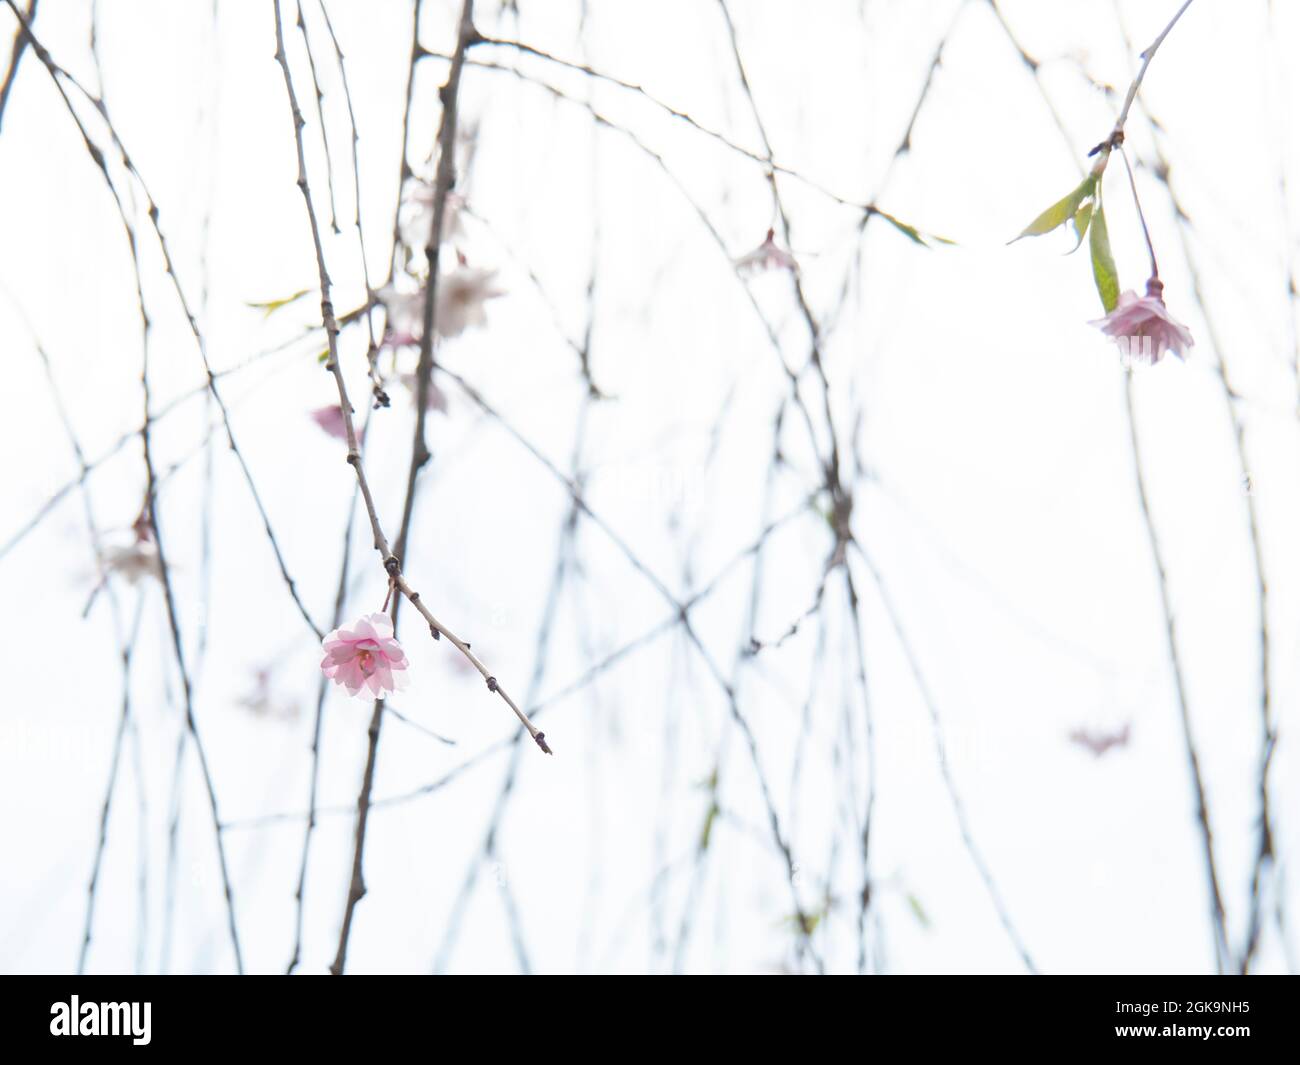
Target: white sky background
995,493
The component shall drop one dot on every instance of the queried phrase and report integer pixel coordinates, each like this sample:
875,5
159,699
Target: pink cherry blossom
330,419
365,656
1143,327
461,295
767,256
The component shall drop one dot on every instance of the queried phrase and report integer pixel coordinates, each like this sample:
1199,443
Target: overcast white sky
980,419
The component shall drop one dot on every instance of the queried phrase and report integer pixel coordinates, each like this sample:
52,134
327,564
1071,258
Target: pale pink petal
392,650
341,656
364,629
383,624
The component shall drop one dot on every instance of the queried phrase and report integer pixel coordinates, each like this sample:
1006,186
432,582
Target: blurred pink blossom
405,314
330,419
1099,743
417,214
436,399
132,561
1143,327
263,701
461,295
767,256
366,656
399,338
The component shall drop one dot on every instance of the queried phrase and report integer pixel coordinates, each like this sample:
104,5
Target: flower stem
1146,233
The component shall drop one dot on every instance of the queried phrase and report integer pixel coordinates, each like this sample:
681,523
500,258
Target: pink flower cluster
365,657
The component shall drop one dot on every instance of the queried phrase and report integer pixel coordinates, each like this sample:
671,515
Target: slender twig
372,351
868,814
565,561
1264,852
1148,54
391,560
322,690
1217,917
319,100
173,622
945,769
159,415
57,73
1219,922
449,95
404,164
126,646
16,57
191,726
1142,218
739,149
574,687
123,723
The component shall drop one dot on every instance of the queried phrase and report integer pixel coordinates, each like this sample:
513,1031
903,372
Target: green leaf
1103,263
1082,217
271,306
323,357
1062,211
707,832
911,232
918,911
806,923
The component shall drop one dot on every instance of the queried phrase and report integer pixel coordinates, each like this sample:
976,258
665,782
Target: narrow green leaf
1082,218
910,231
918,911
1103,263
1062,211
323,357
269,307
707,832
